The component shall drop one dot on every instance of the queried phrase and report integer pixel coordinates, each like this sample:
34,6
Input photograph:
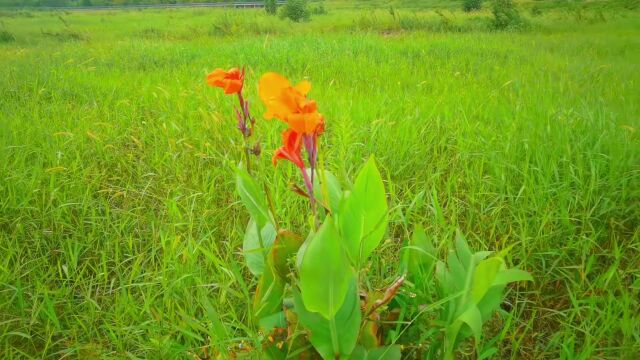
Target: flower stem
309,184
245,126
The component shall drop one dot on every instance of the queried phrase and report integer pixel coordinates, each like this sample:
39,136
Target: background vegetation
120,230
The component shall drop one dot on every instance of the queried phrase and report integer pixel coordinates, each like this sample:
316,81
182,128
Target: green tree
295,10
53,3
271,7
471,5
505,14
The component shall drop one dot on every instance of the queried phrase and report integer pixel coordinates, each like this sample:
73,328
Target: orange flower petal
232,86
306,123
290,150
234,73
276,93
230,81
215,77
304,87
271,85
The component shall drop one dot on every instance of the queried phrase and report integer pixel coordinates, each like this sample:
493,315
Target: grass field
120,231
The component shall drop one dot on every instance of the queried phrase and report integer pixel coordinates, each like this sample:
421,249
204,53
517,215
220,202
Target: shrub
505,15
296,10
319,10
271,7
536,10
471,5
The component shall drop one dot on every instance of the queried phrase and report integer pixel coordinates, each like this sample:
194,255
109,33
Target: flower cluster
286,103
232,82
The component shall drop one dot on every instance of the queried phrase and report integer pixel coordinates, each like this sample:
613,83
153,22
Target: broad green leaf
270,322
325,271
362,219
337,339
303,248
327,189
252,198
473,318
269,293
462,250
511,275
491,301
284,247
444,280
419,256
457,272
255,252
392,352
484,276
481,255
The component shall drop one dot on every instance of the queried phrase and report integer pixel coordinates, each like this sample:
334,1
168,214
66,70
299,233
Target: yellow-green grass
120,230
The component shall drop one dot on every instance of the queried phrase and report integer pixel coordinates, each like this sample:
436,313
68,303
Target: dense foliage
471,5
37,3
296,10
271,7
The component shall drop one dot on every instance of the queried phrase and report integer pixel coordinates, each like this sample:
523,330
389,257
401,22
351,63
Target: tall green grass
120,230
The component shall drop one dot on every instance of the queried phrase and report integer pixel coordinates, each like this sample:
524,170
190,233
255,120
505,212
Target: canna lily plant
311,299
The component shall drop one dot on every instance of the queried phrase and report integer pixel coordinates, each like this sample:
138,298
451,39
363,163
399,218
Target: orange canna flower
290,104
291,149
231,81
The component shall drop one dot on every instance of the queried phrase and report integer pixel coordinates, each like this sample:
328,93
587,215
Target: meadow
120,232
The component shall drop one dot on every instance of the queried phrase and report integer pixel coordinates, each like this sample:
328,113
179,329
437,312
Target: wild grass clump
318,10
6,36
229,24
153,33
65,35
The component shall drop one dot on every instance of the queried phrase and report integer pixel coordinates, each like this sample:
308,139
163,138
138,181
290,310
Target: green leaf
284,247
252,198
491,301
254,252
333,339
325,271
363,217
270,322
269,294
484,276
303,249
420,256
462,250
392,352
457,272
473,318
327,190
512,275
444,279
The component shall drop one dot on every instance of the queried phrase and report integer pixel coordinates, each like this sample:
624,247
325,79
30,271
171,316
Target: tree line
57,3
